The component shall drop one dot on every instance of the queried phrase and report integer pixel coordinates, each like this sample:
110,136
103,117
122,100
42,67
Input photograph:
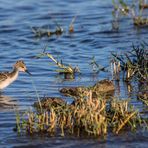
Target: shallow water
93,36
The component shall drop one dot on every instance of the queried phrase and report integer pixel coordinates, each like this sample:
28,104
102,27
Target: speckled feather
6,78
3,76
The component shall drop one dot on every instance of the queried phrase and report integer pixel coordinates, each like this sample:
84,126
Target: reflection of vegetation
91,116
133,63
122,8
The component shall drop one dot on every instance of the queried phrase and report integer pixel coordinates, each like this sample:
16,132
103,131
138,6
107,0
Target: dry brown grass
86,116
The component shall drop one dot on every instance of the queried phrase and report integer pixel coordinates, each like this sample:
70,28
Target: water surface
93,36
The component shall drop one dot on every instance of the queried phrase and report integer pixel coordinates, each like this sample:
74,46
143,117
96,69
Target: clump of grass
41,32
134,64
143,4
67,70
46,32
140,21
121,8
86,116
143,94
124,113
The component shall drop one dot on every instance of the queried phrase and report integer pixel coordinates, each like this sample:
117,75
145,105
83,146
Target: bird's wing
3,76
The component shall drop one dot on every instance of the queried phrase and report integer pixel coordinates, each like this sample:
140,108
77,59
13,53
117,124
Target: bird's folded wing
3,76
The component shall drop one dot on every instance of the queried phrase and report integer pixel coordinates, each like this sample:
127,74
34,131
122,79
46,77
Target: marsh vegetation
86,116
95,111
124,9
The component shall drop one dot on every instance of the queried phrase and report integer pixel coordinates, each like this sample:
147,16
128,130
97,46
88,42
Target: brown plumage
6,78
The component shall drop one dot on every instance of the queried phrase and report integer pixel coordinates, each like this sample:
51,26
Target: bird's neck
15,70
14,74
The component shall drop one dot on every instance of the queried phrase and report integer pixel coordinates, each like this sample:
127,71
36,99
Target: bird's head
20,66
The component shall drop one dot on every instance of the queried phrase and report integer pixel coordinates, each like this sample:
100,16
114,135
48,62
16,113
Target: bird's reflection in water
7,103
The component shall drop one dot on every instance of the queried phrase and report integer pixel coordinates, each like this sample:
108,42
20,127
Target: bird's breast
8,80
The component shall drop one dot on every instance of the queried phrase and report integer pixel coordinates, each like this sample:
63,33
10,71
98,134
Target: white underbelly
8,81
5,83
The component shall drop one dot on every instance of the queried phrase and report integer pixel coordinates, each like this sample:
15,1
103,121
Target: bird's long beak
28,72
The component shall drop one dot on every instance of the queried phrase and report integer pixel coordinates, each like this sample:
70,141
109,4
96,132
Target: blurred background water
93,36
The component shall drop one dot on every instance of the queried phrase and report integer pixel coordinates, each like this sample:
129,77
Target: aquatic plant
71,26
41,32
143,4
67,70
121,8
143,93
133,63
46,32
140,21
86,116
122,114
97,67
